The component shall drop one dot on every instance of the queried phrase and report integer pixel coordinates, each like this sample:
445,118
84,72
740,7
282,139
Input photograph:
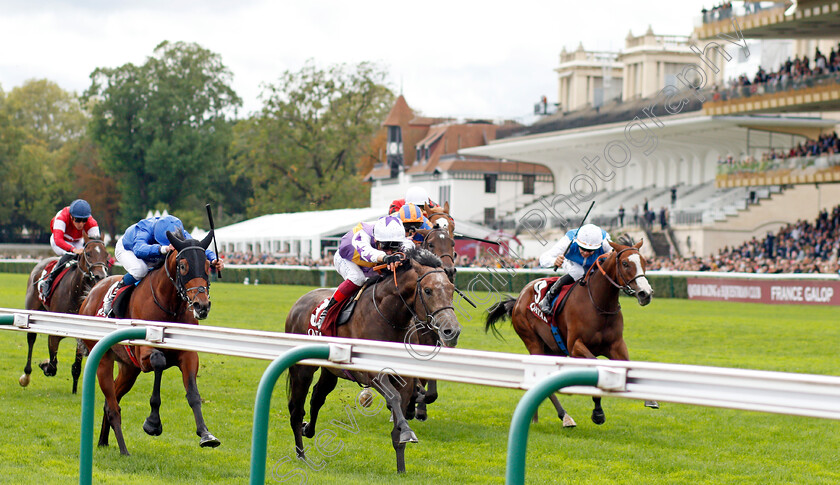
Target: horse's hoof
209,441
652,404
408,436
24,380
152,429
421,416
568,422
598,417
307,430
49,369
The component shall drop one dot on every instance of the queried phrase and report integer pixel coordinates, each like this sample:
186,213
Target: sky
461,59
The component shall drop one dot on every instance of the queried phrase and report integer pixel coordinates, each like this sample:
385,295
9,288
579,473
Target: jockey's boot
45,284
109,299
44,287
323,315
545,304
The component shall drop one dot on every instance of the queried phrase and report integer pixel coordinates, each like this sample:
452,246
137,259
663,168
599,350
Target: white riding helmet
590,236
417,196
389,228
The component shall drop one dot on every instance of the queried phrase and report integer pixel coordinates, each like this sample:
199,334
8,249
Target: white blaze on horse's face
442,223
641,282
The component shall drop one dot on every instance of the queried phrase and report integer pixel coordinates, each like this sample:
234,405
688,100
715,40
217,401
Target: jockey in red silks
362,248
145,244
575,252
69,228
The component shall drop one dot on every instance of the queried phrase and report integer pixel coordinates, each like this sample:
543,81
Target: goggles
389,245
80,219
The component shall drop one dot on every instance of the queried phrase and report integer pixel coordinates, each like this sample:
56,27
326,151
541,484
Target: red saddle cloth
328,328
540,289
47,270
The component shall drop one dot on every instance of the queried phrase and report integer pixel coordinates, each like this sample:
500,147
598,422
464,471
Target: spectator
663,218
621,216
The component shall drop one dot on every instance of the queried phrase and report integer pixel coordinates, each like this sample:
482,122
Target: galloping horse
178,291
418,290
439,217
591,323
440,243
91,266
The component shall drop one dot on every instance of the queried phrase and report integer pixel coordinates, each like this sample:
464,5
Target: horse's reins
425,244
182,291
430,317
91,266
623,287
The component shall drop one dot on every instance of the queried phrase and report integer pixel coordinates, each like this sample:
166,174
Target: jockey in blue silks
144,245
575,252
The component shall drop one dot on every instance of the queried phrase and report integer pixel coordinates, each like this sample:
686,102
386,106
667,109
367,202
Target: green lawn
465,440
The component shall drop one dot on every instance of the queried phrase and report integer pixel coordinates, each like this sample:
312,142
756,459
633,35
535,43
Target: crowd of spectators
827,144
724,10
803,247
248,257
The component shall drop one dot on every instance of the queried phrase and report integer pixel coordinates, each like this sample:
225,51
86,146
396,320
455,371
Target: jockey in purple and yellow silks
413,219
362,248
575,252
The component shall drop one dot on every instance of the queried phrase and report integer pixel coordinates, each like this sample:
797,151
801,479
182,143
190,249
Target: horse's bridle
429,322
90,266
625,284
425,244
178,283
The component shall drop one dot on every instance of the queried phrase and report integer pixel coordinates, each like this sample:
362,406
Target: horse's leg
27,369
105,375
152,426
398,402
76,369
50,367
324,386
188,363
618,351
568,422
420,398
431,392
579,350
300,378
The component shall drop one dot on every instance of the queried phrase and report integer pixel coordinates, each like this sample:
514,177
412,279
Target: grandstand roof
297,225
678,134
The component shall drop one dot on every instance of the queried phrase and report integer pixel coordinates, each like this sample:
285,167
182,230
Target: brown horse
178,291
439,217
440,243
591,323
387,309
91,266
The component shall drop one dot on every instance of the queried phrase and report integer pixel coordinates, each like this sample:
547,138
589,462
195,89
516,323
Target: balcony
812,19
787,171
807,93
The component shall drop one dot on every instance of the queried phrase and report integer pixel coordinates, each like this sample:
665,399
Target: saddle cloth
47,270
118,307
337,316
540,289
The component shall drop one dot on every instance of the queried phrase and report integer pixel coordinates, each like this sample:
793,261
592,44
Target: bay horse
440,243
91,266
417,290
591,323
439,217
177,291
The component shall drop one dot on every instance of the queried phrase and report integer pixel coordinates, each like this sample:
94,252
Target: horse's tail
499,311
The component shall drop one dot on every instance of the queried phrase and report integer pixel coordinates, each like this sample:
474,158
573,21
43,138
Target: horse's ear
639,244
615,246
446,207
205,243
176,242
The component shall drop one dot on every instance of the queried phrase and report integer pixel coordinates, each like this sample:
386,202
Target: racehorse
439,217
440,243
177,291
91,266
591,323
416,290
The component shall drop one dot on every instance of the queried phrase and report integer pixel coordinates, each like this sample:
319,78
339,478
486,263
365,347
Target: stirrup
545,304
44,289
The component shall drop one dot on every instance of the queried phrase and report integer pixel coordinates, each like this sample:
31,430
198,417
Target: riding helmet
79,209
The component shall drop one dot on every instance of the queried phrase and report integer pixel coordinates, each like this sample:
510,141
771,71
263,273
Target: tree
161,127
303,151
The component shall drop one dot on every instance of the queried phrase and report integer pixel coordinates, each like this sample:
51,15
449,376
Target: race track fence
750,390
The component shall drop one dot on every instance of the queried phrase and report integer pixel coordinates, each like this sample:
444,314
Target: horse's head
432,294
441,244
440,219
191,269
94,260
630,271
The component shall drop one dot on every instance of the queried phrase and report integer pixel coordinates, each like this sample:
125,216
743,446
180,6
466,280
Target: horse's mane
625,240
422,256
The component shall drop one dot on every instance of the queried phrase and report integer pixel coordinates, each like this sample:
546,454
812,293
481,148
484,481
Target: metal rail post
259,440
7,319
521,421
89,396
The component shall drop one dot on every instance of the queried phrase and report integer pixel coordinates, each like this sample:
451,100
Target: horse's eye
625,264
427,291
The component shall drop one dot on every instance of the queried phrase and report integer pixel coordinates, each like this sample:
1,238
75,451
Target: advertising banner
807,292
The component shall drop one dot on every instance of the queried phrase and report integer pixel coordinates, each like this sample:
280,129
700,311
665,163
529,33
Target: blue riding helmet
166,223
80,209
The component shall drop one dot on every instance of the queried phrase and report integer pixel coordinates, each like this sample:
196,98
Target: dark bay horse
387,309
177,291
67,297
591,323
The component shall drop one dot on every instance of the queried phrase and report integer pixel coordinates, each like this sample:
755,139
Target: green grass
465,440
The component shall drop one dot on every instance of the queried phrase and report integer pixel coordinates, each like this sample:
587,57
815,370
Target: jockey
575,252
415,195
69,228
413,219
145,244
362,248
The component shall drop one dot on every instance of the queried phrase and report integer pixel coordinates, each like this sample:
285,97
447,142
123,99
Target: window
489,216
394,134
444,193
490,183
528,182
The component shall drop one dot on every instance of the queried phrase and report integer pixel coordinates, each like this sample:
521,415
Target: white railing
774,392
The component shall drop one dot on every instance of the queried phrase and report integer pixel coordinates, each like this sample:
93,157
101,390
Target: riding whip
582,222
212,228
